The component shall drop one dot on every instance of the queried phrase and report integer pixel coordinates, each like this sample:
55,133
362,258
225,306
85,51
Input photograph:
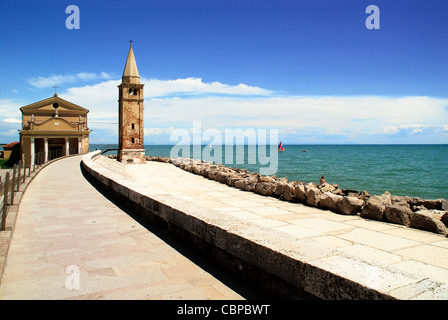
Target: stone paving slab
379,255
67,233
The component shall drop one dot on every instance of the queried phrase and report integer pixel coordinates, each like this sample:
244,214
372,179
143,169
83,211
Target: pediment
47,106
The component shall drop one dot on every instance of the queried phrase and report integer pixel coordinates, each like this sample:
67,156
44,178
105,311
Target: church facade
52,128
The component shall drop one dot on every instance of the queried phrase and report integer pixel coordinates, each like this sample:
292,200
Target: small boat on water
280,147
304,150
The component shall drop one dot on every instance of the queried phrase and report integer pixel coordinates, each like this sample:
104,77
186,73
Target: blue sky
310,69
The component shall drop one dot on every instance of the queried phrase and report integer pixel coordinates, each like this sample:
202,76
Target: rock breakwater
413,212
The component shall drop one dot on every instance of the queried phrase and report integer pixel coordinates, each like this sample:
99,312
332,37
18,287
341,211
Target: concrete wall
247,258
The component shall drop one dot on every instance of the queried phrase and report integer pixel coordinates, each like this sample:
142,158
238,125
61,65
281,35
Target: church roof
130,70
64,103
10,145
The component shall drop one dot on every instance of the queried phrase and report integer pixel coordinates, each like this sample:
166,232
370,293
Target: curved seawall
278,264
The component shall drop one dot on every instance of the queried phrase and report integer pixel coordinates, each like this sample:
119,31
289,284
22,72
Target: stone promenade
399,262
70,242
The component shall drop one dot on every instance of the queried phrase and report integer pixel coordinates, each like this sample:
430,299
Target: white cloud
177,103
101,99
413,129
86,76
403,128
12,120
158,131
332,114
10,108
195,86
46,82
9,134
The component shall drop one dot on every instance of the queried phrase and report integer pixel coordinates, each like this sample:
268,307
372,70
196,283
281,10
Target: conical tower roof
130,73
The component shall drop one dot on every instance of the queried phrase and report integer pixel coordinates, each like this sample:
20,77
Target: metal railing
9,186
103,152
15,177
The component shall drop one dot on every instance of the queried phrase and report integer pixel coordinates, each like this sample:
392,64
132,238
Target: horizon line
297,144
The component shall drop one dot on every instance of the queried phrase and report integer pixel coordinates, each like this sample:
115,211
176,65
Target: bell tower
130,113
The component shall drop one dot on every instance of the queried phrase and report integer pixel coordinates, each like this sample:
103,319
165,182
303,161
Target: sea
411,170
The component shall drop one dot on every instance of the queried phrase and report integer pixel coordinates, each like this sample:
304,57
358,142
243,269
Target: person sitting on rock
322,179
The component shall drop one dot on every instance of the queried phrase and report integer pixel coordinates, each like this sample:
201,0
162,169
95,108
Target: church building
53,128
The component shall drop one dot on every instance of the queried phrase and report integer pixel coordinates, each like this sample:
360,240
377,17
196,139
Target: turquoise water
413,170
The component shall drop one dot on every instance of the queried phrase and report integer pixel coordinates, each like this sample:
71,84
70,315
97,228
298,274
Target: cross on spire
55,89
130,41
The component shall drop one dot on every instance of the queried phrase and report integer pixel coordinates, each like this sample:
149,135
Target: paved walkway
412,256
70,242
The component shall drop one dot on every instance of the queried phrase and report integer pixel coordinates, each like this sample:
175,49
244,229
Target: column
46,149
67,146
32,151
79,145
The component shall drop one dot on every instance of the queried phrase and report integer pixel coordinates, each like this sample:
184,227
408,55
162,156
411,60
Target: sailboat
280,147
